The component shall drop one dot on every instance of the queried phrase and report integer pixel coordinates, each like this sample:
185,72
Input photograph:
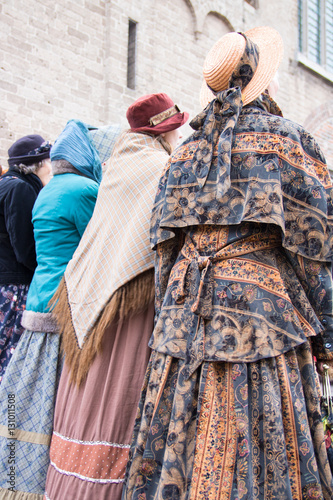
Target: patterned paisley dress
230,405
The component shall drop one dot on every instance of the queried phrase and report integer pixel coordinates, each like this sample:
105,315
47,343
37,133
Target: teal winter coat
60,216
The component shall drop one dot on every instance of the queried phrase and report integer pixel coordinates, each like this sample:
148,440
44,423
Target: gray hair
30,169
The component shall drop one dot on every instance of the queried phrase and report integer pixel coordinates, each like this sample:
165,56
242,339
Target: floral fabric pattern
220,119
233,294
277,175
12,304
245,69
230,408
198,437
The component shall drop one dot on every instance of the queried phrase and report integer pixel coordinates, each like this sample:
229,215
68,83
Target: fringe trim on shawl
130,299
18,495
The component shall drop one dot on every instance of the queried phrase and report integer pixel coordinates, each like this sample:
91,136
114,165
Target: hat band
164,115
43,148
247,65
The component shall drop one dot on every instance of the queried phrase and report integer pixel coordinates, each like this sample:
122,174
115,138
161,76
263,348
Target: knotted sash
198,273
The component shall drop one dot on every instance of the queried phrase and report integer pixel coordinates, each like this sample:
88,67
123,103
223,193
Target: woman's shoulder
12,185
278,130
65,190
263,119
84,187
78,189
71,182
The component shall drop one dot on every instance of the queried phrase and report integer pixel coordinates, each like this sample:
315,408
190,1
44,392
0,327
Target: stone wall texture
68,59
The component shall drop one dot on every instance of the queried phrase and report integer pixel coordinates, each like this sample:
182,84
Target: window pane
329,34
314,30
131,54
300,25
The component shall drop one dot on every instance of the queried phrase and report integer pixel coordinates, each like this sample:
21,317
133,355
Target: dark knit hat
28,150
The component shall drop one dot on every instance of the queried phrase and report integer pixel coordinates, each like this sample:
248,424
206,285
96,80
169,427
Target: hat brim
167,125
28,160
270,44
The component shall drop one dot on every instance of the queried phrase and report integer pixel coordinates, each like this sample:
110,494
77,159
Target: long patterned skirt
231,431
27,399
12,304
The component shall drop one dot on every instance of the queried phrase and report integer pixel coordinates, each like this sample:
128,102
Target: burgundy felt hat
155,114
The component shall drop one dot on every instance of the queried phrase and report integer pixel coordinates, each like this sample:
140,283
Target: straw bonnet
224,56
155,114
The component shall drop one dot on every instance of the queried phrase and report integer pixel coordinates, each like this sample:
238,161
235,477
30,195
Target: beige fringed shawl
111,273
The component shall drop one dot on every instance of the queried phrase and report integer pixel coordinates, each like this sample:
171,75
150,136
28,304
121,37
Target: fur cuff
39,322
58,168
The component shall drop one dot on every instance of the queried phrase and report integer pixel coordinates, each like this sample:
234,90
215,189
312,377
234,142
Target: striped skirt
231,431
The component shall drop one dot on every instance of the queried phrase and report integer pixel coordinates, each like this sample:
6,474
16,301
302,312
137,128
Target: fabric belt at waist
198,273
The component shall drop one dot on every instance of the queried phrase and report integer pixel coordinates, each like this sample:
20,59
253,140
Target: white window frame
303,57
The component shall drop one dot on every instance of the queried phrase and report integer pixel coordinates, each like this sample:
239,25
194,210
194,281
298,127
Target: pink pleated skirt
94,423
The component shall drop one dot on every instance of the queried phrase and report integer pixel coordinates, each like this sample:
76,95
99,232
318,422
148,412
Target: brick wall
320,124
52,66
68,59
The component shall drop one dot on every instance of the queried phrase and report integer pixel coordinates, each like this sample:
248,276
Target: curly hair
30,169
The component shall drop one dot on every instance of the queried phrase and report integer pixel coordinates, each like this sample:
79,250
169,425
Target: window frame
131,54
303,39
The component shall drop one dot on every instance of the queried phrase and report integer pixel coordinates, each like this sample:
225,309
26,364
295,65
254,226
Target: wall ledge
304,61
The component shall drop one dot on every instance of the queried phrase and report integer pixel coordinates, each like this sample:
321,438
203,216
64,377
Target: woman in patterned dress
242,228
